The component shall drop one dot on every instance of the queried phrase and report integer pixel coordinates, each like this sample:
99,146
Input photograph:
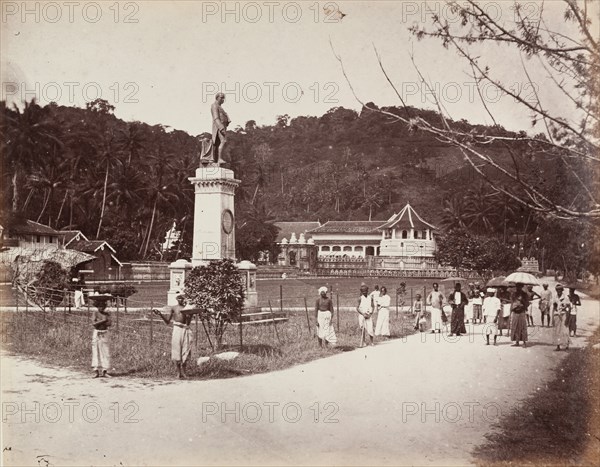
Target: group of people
498,309
181,340
378,301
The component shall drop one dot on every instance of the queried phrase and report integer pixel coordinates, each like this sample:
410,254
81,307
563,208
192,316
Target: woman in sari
382,328
561,306
518,323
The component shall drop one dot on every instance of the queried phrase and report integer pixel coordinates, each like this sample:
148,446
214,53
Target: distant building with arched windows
404,241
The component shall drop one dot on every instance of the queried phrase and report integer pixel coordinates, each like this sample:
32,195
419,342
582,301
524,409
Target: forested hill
127,181
345,165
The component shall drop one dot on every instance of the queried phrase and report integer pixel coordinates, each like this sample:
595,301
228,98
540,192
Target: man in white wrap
436,301
492,313
324,315
181,341
365,312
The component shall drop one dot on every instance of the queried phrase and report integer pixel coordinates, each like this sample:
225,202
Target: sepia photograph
300,233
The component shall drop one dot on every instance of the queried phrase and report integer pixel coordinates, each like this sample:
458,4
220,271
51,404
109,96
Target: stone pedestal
214,214
178,272
214,231
248,271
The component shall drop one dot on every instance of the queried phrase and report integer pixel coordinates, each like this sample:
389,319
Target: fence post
69,300
307,318
425,297
412,302
281,298
196,319
26,298
241,333
117,314
274,323
337,301
17,297
396,303
151,321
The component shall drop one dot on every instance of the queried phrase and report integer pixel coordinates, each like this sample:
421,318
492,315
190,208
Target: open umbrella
499,281
453,280
523,278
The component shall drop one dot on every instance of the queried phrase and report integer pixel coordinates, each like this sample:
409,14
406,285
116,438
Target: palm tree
132,141
453,214
27,135
481,210
108,157
48,178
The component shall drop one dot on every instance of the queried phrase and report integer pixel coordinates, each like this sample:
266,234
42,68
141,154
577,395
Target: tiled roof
68,235
33,228
89,246
348,227
407,219
287,228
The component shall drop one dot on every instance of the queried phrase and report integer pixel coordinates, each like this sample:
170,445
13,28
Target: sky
162,62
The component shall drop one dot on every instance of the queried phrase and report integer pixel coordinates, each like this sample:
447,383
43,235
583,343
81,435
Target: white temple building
404,241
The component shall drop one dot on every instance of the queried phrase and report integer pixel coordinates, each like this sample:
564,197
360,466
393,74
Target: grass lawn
559,425
295,290
142,348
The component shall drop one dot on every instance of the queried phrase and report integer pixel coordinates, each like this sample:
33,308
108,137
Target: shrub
218,290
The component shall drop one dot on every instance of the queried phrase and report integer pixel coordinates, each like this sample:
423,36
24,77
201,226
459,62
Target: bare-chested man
181,342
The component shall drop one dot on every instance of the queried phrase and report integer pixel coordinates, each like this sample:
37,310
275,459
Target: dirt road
425,400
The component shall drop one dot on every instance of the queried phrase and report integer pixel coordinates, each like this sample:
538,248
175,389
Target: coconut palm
27,135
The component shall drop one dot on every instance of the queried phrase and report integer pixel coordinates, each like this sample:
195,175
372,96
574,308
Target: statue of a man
220,123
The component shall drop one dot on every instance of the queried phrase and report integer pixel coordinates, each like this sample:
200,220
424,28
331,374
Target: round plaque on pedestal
227,221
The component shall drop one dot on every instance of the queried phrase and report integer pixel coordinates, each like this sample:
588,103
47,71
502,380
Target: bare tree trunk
103,200
71,208
151,226
28,199
46,198
61,206
15,200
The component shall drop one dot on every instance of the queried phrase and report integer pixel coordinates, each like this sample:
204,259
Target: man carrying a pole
365,311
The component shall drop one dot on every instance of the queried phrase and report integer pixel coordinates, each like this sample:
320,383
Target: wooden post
241,333
69,300
26,298
17,297
196,319
151,322
281,298
425,297
117,315
396,303
337,301
307,318
208,336
274,322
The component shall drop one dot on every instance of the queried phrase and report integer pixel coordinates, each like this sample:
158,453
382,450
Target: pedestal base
179,270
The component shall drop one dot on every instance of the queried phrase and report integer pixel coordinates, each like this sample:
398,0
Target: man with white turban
491,314
324,314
